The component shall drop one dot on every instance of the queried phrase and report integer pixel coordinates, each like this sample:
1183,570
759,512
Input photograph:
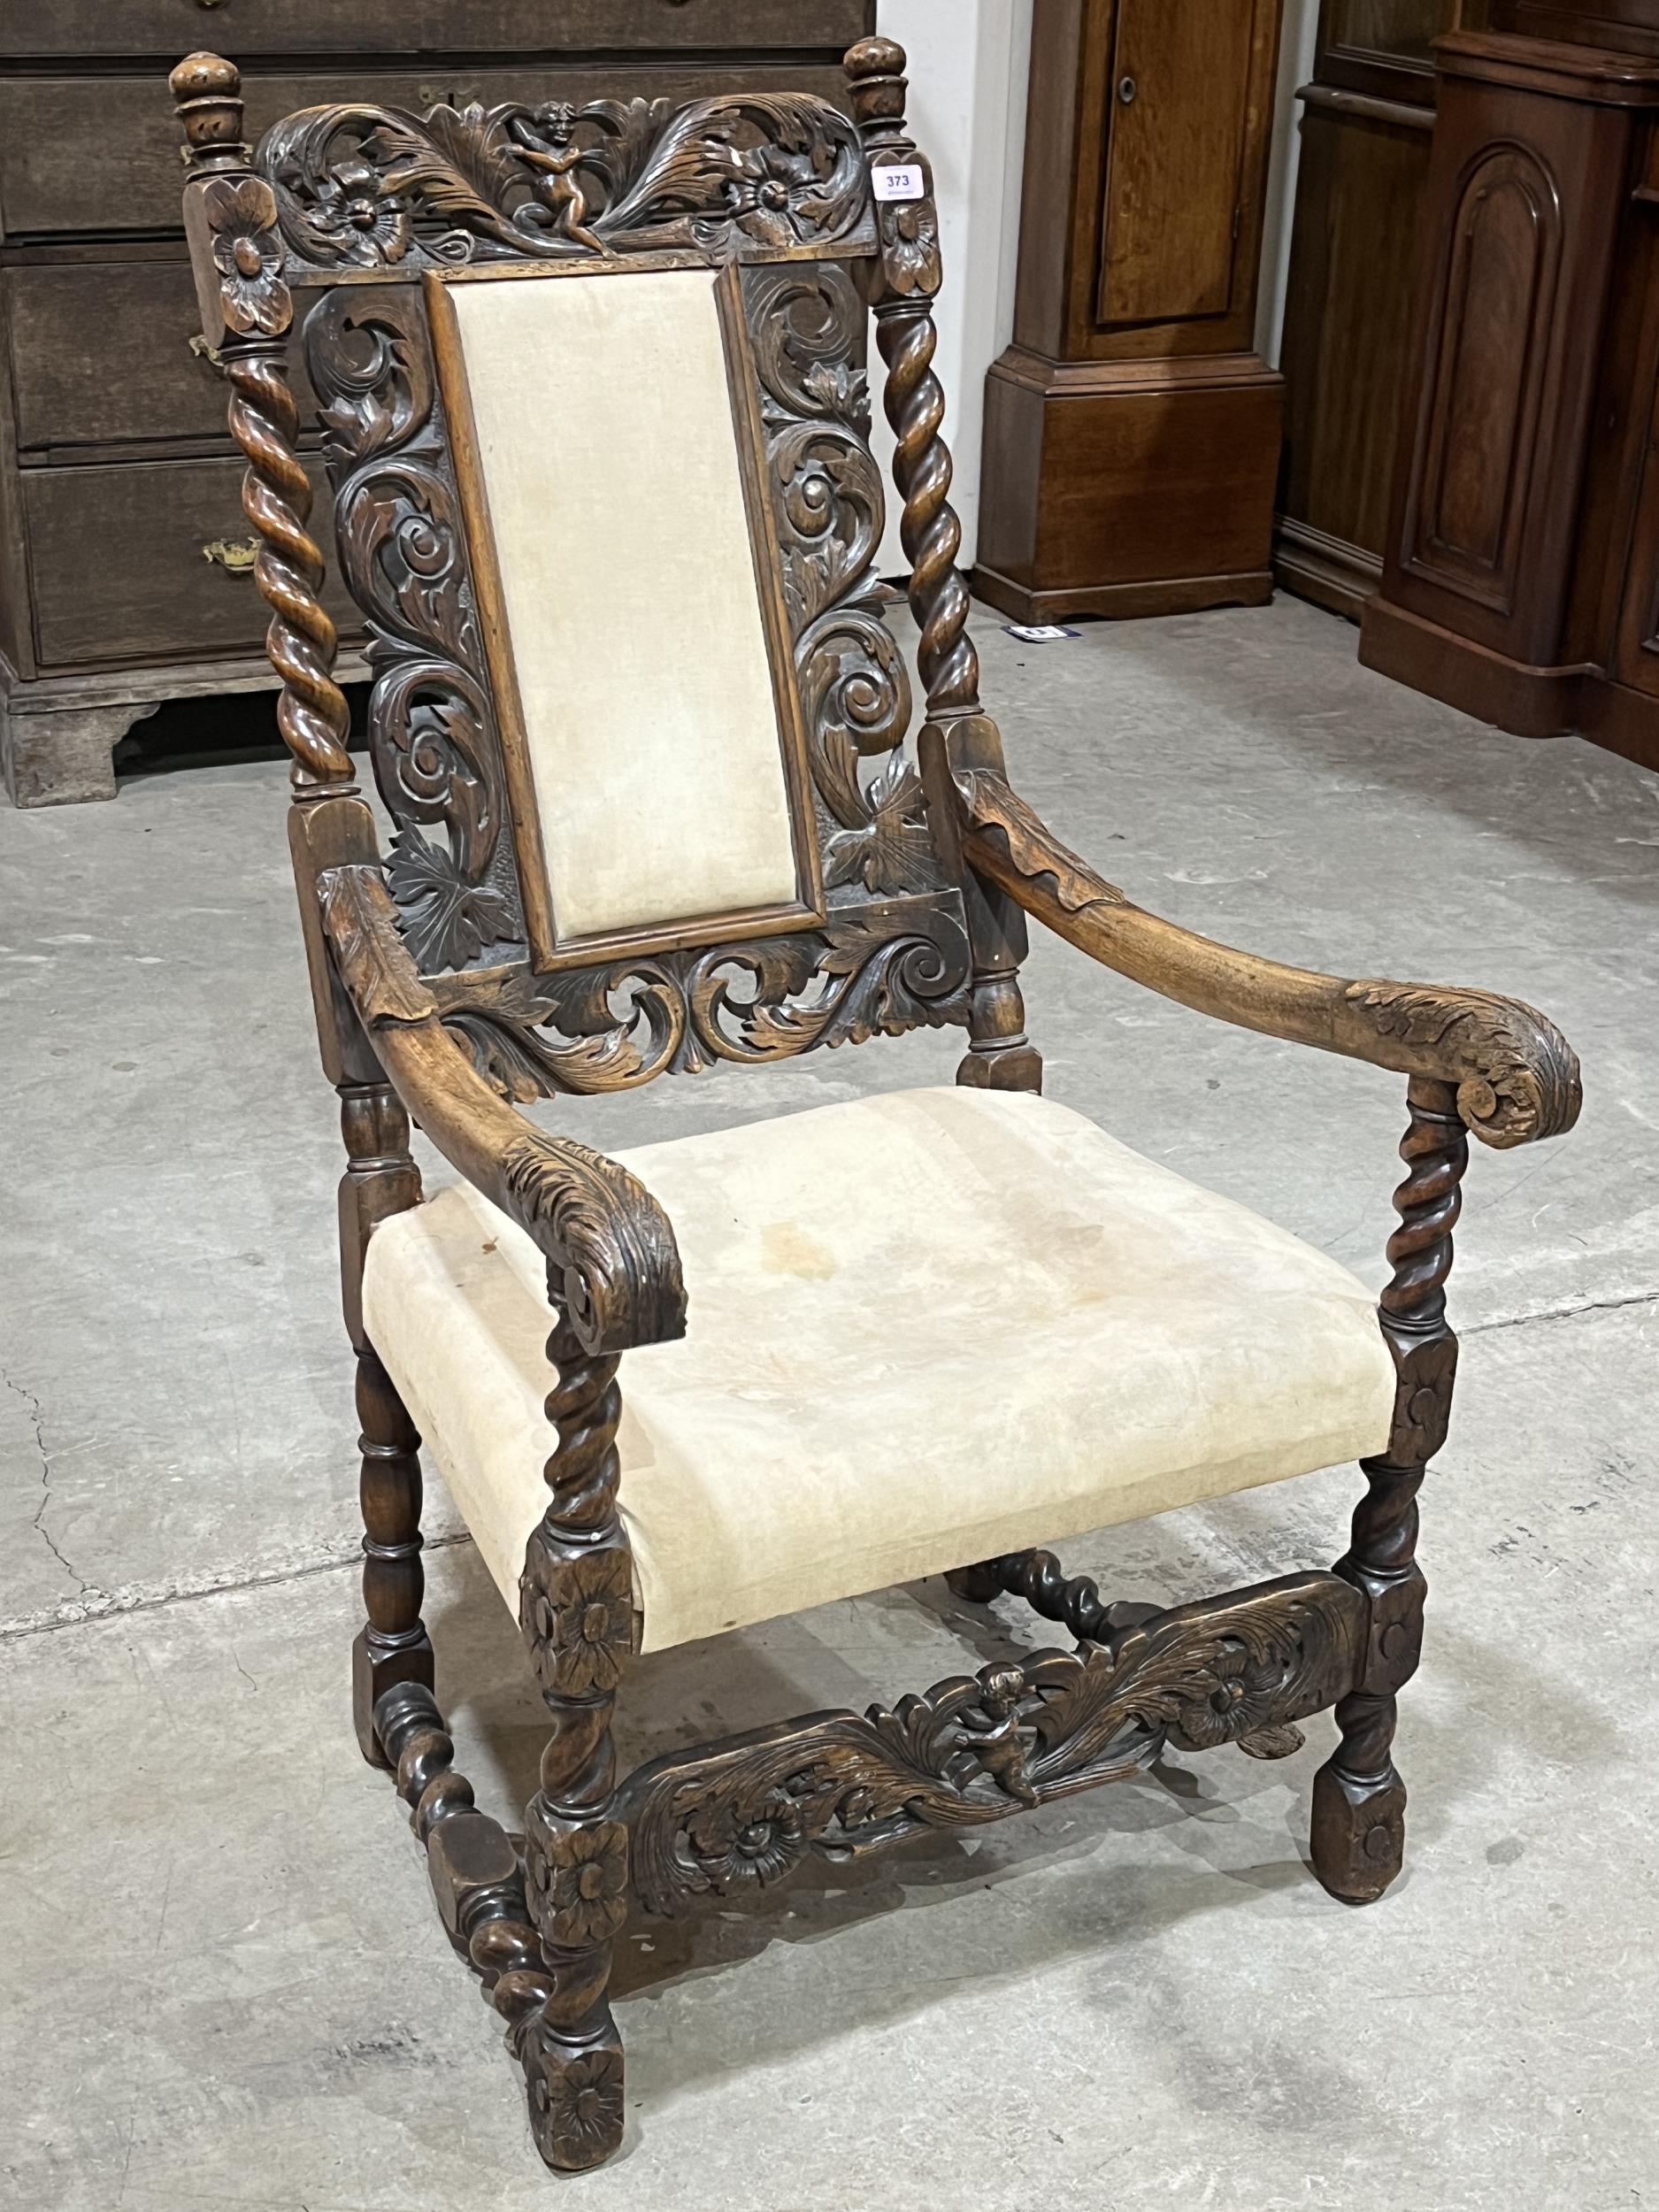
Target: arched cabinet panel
1492,330
1517,579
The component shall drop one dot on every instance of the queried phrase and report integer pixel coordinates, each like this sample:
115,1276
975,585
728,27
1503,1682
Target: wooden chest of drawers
123,576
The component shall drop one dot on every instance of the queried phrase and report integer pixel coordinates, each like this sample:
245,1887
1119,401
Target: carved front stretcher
780,874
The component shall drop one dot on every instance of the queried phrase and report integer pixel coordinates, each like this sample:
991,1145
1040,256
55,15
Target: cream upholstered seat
924,1329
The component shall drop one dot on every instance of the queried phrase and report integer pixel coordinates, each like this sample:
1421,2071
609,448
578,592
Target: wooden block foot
575,2092
1359,1832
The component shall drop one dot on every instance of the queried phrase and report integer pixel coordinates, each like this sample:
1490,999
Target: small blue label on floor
1039,633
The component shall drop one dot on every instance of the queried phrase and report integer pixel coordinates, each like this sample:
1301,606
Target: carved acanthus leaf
892,851
881,967
606,1238
875,966
435,749
448,921
1516,1076
992,807
372,959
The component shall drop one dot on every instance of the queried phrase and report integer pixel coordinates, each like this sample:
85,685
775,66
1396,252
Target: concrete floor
220,1977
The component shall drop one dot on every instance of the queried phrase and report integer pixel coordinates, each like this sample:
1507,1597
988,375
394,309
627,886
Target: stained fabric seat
924,1328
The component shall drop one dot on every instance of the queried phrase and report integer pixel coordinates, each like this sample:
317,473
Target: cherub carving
546,140
993,1732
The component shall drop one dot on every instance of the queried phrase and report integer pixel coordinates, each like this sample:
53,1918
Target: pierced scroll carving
744,178
828,498
435,748
891,956
365,190
979,1748
831,510
876,969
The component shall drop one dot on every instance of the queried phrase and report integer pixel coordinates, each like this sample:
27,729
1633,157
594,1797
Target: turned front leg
577,1612
1359,1800
393,1645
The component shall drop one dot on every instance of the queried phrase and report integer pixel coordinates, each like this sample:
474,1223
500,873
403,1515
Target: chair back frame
366,216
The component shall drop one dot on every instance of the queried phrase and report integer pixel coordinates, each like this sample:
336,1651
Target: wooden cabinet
1131,434
1519,576
1365,124
121,584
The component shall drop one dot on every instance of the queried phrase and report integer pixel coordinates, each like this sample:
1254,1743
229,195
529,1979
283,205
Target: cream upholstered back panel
606,448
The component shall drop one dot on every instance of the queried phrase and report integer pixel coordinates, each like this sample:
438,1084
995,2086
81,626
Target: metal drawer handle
239,559
1127,89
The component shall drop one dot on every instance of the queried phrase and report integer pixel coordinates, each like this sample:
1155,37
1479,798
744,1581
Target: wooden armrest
607,1239
1517,1077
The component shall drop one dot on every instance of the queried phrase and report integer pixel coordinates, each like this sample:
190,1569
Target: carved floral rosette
893,954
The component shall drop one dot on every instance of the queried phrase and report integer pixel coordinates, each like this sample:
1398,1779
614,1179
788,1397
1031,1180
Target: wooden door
1179,103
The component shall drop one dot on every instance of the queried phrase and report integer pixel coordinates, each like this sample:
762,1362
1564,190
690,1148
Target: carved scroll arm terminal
608,1243
1516,1077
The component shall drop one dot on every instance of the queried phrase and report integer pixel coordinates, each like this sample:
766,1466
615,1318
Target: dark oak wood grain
193,595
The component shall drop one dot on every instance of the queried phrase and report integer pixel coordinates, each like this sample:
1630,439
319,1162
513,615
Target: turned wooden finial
875,68
207,91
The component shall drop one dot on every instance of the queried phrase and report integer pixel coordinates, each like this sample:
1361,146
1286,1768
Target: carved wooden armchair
594,409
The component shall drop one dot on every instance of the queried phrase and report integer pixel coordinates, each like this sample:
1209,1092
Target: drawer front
43,28
82,155
102,355
118,570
